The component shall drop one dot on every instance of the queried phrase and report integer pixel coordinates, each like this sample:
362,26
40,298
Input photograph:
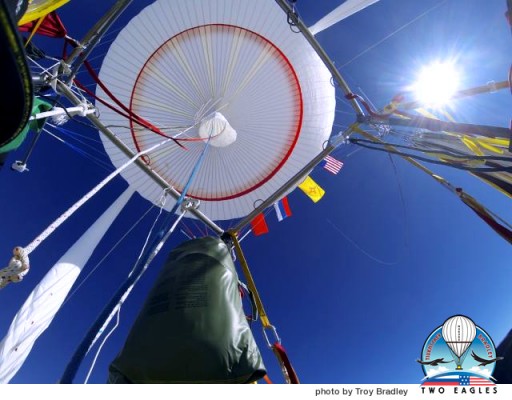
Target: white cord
101,345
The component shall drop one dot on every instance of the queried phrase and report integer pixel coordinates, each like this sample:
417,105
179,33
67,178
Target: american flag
331,164
458,380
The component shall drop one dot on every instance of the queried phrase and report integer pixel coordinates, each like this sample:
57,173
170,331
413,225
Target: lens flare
436,84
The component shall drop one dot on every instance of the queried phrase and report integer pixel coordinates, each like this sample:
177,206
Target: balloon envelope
458,333
227,69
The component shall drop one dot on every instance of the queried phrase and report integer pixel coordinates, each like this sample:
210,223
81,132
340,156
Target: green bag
192,328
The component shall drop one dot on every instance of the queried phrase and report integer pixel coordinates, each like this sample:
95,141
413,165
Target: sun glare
436,84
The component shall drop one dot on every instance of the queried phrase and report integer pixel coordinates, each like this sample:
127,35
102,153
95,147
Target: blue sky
354,310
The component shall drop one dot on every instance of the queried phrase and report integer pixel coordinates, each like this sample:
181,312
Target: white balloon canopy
232,70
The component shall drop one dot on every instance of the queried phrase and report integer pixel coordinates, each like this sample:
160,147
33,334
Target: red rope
397,99
189,231
135,118
353,96
116,110
281,353
132,116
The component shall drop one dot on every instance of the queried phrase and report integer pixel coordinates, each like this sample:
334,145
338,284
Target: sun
436,84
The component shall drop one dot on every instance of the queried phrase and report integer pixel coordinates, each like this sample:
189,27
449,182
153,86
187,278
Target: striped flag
331,164
462,379
282,209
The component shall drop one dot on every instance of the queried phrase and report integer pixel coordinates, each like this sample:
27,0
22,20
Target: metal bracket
190,203
273,329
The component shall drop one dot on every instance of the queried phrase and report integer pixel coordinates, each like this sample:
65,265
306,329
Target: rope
127,116
17,268
495,222
358,247
34,30
393,33
60,220
280,352
128,291
101,346
116,245
132,116
140,267
99,162
250,282
441,162
288,371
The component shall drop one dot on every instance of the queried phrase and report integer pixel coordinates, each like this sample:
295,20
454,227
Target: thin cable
378,260
75,134
70,211
402,203
101,345
185,233
416,157
453,153
150,233
74,118
246,234
43,69
126,287
89,156
394,33
108,254
127,293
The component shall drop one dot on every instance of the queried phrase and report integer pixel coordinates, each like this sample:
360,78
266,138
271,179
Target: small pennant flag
331,164
312,189
259,225
282,209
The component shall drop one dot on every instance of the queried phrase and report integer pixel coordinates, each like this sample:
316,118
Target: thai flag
331,164
282,209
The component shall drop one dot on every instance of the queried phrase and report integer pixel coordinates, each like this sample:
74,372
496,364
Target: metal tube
438,126
488,88
292,182
57,111
80,53
62,88
321,53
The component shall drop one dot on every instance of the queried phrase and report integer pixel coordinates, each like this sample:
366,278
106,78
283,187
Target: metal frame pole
293,181
91,39
64,89
487,88
321,53
436,125
94,35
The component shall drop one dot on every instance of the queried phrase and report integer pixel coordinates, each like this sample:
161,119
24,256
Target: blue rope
80,353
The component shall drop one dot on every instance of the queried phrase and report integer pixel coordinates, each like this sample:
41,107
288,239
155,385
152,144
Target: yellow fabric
36,27
489,144
471,145
500,142
502,176
489,147
457,160
257,299
250,281
426,113
312,189
448,115
40,8
466,198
